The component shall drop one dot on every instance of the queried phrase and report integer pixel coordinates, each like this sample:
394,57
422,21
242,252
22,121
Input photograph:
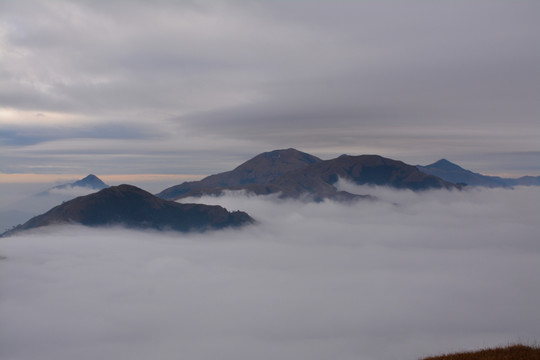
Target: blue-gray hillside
456,174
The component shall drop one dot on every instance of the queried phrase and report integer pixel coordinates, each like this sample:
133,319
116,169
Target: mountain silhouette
260,170
445,165
130,206
91,182
454,173
319,179
294,174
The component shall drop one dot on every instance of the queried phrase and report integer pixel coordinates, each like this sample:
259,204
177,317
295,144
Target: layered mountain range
287,173
294,174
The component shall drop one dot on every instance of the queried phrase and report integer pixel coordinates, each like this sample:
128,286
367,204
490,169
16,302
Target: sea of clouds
408,276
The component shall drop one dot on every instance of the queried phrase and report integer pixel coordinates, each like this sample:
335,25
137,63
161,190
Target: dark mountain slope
318,179
130,206
451,172
314,180
260,170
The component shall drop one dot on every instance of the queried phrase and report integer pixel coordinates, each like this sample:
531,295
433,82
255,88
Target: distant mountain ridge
295,174
454,173
361,170
127,205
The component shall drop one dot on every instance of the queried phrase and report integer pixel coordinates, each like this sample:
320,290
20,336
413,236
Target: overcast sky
197,87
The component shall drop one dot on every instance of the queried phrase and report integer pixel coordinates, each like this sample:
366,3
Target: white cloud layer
413,275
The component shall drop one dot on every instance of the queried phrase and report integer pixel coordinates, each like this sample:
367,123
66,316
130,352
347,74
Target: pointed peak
444,164
443,161
91,181
90,177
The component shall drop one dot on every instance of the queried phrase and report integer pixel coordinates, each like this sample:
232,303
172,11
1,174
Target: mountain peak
444,164
259,170
90,181
320,178
458,175
280,161
295,174
130,206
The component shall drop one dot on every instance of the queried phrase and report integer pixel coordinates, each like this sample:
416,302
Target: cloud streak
440,271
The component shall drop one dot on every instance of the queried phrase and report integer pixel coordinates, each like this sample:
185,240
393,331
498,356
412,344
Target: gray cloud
14,135
443,271
453,78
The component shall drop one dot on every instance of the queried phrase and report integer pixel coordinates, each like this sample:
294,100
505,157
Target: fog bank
409,276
